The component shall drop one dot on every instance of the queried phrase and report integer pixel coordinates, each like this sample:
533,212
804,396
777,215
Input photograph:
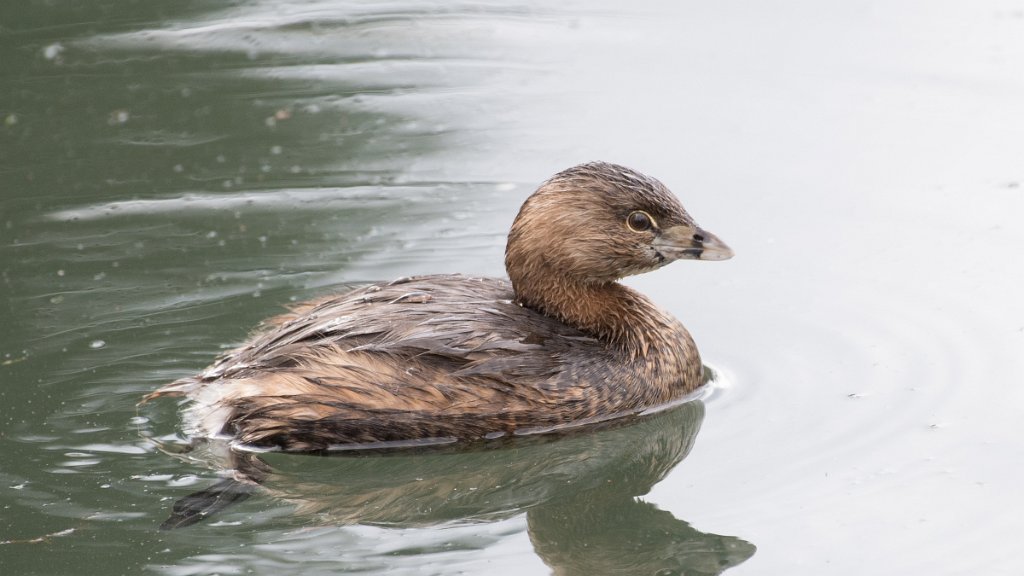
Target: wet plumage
456,357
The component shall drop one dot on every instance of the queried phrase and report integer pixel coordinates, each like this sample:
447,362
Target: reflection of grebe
442,357
579,492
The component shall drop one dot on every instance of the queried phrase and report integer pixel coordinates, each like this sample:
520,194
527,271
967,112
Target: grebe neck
609,311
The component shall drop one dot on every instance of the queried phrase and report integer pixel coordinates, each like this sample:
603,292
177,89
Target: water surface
172,174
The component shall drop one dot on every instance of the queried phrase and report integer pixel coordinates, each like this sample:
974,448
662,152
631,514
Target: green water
172,173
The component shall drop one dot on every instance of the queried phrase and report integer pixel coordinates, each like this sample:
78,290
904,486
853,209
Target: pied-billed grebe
439,358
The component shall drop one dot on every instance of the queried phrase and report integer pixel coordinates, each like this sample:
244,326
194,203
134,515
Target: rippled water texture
173,172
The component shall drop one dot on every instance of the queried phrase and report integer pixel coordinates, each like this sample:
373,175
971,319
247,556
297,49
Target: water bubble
53,51
118,117
97,344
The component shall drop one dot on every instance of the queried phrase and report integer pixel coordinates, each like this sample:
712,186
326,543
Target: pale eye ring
639,221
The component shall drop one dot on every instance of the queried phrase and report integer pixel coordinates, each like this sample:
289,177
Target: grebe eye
639,221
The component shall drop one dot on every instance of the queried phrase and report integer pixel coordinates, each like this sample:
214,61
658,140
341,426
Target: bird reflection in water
580,491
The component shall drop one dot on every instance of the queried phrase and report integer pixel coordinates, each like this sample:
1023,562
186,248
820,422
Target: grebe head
598,222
